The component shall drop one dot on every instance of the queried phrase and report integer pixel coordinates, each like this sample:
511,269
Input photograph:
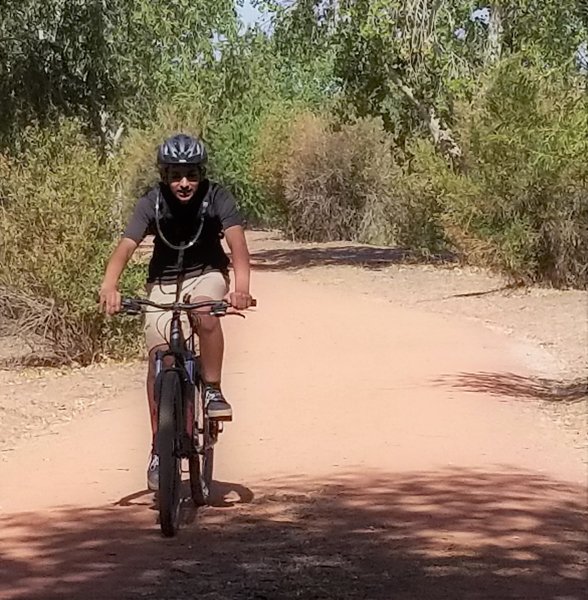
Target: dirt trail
372,456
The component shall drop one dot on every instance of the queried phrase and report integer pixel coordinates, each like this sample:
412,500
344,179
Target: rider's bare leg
212,347
212,344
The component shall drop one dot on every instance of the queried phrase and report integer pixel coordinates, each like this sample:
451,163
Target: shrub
231,142
334,180
521,204
57,231
270,153
348,182
414,210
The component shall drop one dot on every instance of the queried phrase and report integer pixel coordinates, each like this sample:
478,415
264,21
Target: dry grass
57,231
336,181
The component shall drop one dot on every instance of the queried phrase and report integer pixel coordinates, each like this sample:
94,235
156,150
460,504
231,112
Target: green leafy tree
408,61
106,62
396,58
55,60
552,30
171,50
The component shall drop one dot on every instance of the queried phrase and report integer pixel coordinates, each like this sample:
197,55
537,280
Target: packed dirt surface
391,440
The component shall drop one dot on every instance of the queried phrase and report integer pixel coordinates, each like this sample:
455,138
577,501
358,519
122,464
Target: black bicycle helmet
182,149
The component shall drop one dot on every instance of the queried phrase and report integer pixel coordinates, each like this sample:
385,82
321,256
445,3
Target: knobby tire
170,474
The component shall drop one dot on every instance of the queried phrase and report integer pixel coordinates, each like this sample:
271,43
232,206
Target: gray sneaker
153,472
216,405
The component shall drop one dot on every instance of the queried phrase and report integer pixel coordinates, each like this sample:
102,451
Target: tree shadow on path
369,257
519,386
457,533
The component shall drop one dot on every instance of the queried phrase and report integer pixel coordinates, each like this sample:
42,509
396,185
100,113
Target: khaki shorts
213,285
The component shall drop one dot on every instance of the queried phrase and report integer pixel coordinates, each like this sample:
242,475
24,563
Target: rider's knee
208,324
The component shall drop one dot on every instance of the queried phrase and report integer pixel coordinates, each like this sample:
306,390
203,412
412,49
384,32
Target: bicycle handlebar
218,308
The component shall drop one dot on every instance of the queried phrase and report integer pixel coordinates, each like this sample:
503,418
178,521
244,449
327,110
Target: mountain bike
184,432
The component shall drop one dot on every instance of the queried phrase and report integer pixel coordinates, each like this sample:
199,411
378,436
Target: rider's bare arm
109,295
237,243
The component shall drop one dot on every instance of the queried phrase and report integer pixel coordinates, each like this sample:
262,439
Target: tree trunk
495,35
442,135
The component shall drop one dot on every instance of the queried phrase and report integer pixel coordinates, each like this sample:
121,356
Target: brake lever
130,308
223,311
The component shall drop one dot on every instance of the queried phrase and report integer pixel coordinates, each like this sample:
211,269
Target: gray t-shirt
179,223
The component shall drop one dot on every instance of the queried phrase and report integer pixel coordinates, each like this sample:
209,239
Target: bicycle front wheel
168,441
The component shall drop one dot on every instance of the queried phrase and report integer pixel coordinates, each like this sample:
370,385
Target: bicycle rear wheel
201,463
168,436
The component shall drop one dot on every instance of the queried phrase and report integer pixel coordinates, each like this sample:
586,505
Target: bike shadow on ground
148,500
223,494
226,495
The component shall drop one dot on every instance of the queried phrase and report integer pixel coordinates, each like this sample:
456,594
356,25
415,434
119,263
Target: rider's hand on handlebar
110,300
239,300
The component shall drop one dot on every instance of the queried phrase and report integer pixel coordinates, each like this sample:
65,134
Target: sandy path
359,466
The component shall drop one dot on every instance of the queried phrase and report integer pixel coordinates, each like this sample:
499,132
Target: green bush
334,180
231,142
521,202
348,182
57,229
415,211
270,153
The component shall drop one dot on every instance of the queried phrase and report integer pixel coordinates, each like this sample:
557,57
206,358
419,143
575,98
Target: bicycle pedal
221,419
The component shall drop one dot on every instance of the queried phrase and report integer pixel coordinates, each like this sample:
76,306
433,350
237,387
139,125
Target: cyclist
183,206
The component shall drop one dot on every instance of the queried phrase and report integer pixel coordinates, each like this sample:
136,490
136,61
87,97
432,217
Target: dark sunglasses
177,174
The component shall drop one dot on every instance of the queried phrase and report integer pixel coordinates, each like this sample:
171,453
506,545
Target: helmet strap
163,171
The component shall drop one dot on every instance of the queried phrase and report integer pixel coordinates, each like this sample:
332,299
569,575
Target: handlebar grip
130,307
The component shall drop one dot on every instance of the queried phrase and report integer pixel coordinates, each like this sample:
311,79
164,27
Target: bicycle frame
186,430
186,363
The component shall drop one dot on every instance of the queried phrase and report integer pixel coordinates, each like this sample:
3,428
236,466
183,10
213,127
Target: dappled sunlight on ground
457,533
